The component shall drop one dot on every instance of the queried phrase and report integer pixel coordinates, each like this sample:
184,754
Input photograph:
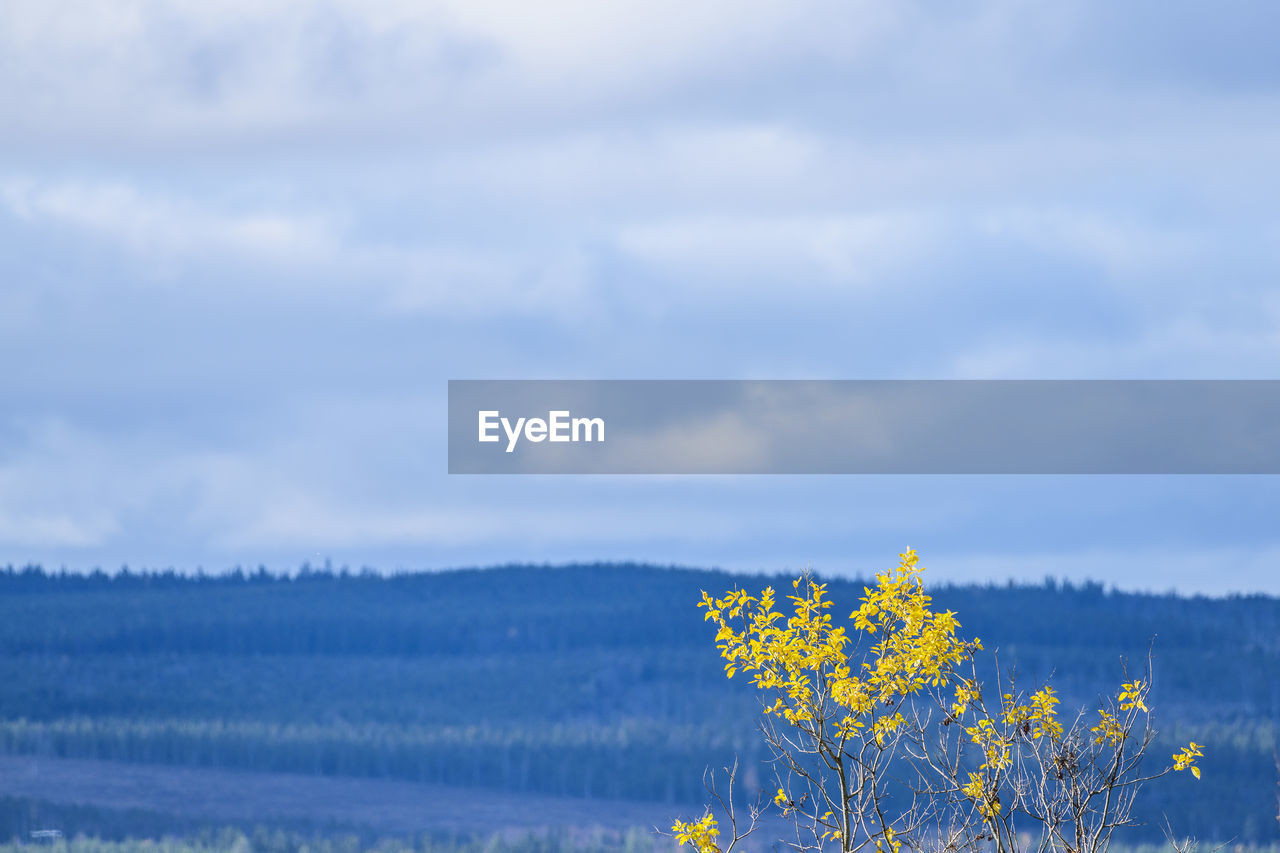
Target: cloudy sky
243,245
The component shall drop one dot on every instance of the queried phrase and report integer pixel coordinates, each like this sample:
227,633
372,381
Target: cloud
359,479
38,462
164,227
56,530
183,76
1184,347
186,70
243,244
798,252
182,238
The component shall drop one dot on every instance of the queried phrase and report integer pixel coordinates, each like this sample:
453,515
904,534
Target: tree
885,734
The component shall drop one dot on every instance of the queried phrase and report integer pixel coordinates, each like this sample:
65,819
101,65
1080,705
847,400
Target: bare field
384,806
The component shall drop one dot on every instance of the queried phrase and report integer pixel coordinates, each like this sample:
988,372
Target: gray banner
864,427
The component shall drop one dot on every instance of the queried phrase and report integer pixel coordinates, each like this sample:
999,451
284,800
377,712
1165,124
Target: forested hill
590,680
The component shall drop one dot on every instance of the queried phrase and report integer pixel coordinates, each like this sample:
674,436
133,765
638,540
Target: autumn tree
887,734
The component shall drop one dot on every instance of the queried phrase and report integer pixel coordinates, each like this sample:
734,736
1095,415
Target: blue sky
244,245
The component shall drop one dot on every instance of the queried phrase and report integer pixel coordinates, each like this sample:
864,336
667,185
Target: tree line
554,679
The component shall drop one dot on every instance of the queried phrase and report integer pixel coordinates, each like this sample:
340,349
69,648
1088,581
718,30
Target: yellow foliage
966,692
804,659
1037,718
890,839
983,796
1132,694
840,683
1186,759
1044,714
1108,729
699,834
994,745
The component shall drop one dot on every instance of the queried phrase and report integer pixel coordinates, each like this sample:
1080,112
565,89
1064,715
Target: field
374,807
523,697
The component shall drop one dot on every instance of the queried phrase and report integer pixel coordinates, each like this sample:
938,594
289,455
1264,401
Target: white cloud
190,76
1183,346
187,70
305,523
54,530
48,489
164,227
378,194
612,174
1129,249
799,253
298,253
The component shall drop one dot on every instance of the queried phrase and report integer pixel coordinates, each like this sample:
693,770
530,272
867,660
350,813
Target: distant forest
586,680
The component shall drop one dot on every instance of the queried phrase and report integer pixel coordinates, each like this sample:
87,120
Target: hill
589,681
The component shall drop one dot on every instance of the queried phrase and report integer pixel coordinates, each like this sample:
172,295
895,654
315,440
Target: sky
244,245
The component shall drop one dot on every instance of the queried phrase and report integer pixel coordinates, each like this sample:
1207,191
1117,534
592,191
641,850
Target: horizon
245,247
330,571
320,322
